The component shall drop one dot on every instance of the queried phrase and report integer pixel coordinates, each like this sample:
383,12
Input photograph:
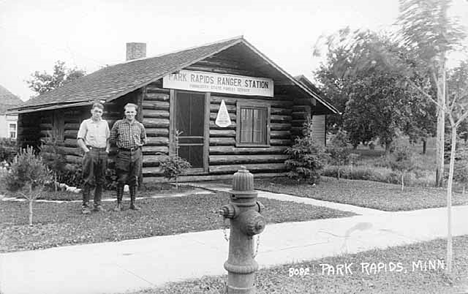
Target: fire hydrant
246,221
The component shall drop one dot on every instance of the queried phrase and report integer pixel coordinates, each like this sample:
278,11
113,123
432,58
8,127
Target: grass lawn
408,276
58,224
377,195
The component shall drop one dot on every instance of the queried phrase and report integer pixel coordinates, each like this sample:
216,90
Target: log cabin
230,103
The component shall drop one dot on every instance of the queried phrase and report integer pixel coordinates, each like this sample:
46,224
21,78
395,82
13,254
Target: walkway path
131,265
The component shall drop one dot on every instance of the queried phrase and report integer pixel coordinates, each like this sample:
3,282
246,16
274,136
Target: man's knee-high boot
132,198
120,191
97,198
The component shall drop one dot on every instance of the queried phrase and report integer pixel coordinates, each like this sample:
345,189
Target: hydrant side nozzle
229,211
253,223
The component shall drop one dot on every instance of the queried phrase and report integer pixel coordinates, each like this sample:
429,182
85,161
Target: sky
90,34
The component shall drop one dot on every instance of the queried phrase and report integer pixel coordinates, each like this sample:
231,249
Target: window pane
253,125
259,123
246,125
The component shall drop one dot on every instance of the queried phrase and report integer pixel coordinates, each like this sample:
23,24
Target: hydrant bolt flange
229,211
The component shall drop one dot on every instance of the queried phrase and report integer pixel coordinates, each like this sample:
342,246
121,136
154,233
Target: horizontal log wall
225,157
156,121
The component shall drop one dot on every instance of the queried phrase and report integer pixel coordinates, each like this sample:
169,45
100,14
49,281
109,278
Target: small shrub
402,160
368,173
28,175
306,159
173,166
72,176
56,161
460,174
353,158
338,151
8,150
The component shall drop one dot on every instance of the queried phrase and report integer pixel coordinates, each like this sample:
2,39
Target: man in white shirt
93,139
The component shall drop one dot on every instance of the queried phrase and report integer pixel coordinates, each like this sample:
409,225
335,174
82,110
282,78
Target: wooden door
190,118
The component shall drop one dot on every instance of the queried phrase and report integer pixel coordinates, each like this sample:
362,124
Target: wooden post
206,134
172,121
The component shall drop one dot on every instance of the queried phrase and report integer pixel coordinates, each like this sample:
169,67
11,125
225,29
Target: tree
339,151
173,165
43,82
334,87
374,101
427,31
28,176
378,108
403,161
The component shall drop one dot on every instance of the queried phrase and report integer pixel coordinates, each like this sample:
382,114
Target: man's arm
143,135
107,137
113,134
80,137
82,145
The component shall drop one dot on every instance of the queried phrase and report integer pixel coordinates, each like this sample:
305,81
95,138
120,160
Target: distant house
233,105
8,122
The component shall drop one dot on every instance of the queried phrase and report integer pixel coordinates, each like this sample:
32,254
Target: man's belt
96,148
130,149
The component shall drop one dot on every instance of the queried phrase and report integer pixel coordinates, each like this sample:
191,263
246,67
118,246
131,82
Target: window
12,130
253,125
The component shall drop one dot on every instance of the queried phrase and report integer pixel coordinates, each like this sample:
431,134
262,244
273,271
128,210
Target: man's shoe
118,207
99,208
86,210
134,207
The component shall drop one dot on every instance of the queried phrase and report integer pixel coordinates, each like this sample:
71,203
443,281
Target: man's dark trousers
94,174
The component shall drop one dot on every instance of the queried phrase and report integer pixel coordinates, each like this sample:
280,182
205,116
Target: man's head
130,111
97,110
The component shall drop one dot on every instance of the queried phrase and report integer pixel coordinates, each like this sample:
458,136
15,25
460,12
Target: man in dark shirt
128,135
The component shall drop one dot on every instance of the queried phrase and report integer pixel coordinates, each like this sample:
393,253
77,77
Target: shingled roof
115,81
8,100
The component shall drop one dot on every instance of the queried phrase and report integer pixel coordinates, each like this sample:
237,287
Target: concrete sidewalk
117,267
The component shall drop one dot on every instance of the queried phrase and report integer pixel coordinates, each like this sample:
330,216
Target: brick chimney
136,51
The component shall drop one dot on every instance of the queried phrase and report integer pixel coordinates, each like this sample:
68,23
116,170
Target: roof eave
45,107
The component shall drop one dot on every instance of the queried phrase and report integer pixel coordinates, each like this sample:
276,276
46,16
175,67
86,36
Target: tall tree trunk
440,122
402,181
449,198
30,202
30,211
424,146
